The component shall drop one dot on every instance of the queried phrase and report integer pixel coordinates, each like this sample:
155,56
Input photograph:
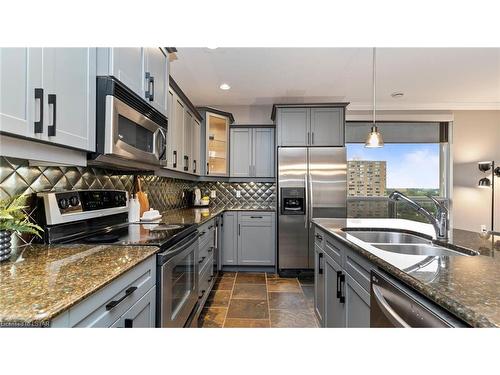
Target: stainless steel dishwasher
394,304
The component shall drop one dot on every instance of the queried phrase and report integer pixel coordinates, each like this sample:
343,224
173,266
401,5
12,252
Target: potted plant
14,219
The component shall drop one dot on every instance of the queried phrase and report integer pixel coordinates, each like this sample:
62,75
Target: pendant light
374,138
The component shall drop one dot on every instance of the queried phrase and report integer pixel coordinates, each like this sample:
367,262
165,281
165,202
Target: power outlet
213,194
238,193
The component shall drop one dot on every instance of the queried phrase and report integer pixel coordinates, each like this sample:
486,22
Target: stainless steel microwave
130,134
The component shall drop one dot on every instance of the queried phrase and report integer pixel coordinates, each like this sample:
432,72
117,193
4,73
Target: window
413,165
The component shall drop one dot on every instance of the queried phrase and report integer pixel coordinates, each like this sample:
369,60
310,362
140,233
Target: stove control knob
63,203
74,201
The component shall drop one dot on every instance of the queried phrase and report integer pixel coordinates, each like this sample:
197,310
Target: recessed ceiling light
397,94
224,86
212,47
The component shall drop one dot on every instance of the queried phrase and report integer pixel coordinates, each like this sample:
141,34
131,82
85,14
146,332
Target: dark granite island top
39,282
467,286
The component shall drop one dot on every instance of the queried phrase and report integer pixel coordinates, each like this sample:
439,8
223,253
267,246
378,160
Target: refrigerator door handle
309,189
306,216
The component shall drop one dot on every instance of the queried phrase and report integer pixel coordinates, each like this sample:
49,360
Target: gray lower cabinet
248,239
344,286
335,306
319,284
141,314
357,304
127,300
229,239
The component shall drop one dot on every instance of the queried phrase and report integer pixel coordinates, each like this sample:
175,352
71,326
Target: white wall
476,137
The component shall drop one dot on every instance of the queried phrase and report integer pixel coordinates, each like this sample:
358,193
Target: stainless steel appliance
312,183
130,133
100,217
393,304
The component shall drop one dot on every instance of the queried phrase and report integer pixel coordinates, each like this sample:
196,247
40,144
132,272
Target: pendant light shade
374,138
484,182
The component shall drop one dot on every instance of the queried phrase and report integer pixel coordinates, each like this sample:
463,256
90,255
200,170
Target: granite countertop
467,286
200,216
39,282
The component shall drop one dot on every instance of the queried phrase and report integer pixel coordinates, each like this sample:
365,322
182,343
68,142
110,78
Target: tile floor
259,300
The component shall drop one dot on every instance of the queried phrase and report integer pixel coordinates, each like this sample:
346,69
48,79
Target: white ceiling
430,78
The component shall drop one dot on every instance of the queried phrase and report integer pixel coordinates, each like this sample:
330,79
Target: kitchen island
466,286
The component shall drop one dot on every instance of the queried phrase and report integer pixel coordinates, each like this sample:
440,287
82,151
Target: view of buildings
366,178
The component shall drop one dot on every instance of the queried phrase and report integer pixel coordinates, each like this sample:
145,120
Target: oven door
178,282
131,135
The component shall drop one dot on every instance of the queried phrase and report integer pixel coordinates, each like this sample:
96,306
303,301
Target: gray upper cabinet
327,127
335,316
229,239
125,64
252,152
188,140
256,236
241,152
293,125
156,78
196,146
49,94
263,152
311,126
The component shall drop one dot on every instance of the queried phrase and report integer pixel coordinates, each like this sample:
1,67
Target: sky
408,165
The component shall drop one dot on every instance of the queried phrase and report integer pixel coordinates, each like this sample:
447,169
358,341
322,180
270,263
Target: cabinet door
241,152
196,147
327,127
178,134
70,86
156,86
256,244
171,129
188,140
357,304
319,284
335,316
127,65
229,238
141,315
293,126
263,152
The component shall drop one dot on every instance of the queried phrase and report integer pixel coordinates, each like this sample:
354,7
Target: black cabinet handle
208,168
210,227
320,270
341,282
202,234
255,217
239,229
151,87
152,96
194,166
201,260
319,237
51,129
175,160
186,163
210,249
202,294
128,292
339,292
39,124
128,323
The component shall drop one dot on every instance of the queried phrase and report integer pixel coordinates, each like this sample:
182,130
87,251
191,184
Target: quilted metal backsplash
18,177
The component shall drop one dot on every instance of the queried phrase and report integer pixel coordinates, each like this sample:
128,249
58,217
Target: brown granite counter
41,281
200,216
467,286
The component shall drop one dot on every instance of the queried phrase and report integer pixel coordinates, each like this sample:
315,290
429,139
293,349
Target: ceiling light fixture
224,86
374,138
397,95
212,47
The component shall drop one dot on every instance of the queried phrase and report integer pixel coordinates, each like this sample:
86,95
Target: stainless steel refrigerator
312,183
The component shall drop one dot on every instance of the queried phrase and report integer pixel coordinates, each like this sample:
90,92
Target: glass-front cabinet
216,128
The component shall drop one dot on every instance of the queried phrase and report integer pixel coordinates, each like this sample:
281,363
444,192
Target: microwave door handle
388,311
161,144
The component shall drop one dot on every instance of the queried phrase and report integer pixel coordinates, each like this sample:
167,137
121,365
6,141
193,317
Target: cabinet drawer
256,217
141,315
319,238
333,249
358,268
205,279
92,312
206,232
204,258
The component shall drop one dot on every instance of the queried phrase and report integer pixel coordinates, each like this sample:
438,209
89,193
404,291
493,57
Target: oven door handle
387,310
177,249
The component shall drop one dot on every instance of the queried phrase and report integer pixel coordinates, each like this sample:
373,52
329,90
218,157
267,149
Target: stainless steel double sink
405,243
